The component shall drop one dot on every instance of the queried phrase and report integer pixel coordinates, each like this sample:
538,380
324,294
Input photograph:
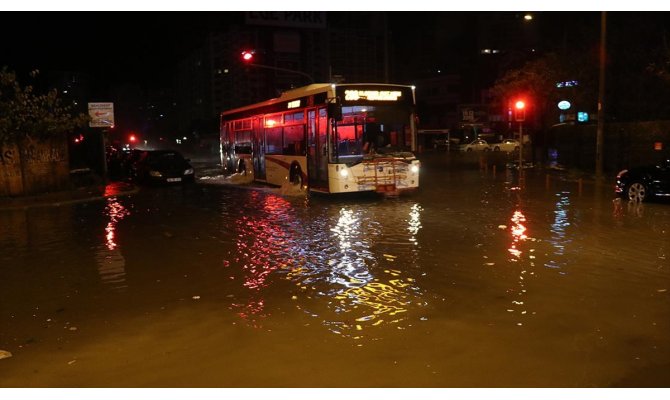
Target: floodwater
473,281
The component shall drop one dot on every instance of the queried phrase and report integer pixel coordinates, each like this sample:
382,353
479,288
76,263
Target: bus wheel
296,176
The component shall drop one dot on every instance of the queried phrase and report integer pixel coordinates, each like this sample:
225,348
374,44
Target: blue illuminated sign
567,84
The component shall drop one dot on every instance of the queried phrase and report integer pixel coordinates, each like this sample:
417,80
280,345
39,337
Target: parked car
441,144
477,145
644,182
161,166
508,145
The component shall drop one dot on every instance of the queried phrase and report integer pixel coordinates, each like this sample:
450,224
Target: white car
476,145
508,145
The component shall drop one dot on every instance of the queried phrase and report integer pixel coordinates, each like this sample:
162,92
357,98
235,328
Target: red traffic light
519,110
132,138
247,55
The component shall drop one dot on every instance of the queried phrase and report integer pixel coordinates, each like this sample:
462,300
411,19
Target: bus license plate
174,179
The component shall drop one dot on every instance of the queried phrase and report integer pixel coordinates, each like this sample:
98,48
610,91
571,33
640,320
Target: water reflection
519,233
352,266
518,230
116,213
558,239
263,245
111,263
369,286
414,223
349,267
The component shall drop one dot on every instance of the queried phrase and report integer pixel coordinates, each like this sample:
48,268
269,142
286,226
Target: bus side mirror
335,110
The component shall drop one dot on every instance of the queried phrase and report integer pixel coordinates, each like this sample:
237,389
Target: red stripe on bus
286,165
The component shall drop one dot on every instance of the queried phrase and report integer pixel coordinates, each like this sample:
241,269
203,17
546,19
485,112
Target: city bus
327,138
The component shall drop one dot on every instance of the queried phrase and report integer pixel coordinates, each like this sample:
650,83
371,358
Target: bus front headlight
414,168
344,172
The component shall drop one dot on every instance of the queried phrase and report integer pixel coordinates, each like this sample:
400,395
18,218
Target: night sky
117,46
141,47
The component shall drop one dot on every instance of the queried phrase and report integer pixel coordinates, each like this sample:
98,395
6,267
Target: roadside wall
624,144
33,167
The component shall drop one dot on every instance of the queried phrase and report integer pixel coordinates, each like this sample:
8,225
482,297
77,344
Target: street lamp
248,56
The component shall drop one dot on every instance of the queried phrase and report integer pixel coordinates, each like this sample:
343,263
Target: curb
25,203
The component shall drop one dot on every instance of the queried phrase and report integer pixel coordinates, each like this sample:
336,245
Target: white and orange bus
327,138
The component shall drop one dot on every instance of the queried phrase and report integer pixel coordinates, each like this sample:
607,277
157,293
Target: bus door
258,148
322,139
317,154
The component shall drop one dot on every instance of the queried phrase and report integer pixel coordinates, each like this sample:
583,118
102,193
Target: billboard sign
289,19
101,114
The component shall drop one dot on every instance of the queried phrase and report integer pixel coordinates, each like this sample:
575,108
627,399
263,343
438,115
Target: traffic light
248,55
520,110
132,138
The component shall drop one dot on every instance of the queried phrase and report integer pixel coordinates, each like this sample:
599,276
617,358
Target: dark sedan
162,166
642,183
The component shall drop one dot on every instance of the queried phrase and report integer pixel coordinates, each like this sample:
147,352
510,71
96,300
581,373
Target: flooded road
474,281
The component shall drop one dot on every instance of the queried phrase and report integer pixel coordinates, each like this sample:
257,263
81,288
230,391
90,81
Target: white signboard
101,114
293,19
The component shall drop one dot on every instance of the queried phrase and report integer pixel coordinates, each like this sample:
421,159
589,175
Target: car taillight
620,174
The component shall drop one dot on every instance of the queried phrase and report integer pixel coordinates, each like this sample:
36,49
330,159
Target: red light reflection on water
518,233
116,188
116,213
261,250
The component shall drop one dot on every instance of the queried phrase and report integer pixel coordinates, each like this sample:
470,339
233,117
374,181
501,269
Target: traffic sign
101,114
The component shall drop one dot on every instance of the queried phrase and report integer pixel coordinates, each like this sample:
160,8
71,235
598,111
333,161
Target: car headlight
188,171
155,174
344,173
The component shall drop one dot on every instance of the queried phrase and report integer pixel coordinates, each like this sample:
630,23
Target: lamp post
601,97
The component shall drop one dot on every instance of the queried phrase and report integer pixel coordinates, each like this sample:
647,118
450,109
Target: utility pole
601,97
386,48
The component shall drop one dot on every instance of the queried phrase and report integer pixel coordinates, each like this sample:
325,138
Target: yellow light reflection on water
351,267
519,233
518,230
369,299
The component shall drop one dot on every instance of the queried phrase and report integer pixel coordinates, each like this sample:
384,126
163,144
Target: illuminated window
273,120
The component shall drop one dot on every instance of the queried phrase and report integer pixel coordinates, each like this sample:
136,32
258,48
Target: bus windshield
368,130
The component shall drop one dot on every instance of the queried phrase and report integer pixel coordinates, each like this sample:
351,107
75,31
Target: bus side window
273,139
294,140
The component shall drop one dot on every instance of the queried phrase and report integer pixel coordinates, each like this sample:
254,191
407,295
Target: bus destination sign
372,95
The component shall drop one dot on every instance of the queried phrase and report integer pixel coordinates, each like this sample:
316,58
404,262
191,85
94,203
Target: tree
26,114
536,81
